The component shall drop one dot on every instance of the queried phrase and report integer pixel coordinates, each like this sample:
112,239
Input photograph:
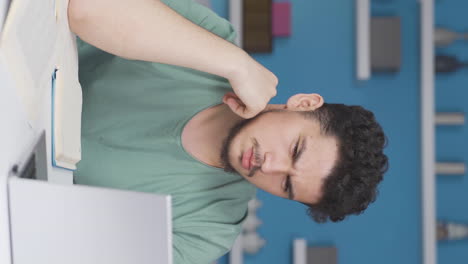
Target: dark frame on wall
257,26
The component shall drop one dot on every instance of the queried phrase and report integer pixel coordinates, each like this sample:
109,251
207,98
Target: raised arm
149,30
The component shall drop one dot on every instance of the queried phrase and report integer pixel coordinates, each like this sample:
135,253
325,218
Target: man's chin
229,169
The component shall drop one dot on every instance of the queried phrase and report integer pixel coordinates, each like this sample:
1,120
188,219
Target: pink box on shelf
281,19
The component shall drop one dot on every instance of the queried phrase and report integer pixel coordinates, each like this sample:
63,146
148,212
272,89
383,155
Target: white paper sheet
28,42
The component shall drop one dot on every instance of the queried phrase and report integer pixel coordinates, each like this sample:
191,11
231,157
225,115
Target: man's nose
275,164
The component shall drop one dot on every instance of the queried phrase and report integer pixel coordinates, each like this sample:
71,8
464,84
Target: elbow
75,15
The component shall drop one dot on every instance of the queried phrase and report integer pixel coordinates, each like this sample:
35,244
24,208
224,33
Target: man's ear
304,102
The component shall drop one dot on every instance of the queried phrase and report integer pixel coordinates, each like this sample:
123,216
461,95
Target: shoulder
204,241
206,226
203,17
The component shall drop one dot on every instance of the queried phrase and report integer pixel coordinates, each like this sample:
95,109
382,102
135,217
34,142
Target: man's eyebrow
303,147
301,150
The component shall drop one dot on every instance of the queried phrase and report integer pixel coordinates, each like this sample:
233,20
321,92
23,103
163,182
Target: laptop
55,223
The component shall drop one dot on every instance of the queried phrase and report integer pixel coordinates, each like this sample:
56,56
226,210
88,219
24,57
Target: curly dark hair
352,183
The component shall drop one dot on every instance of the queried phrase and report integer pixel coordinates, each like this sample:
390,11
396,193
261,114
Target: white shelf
428,133
235,17
363,67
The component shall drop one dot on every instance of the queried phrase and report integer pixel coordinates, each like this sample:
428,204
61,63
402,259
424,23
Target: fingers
247,114
238,107
234,104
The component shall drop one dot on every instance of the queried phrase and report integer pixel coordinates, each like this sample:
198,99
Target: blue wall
319,58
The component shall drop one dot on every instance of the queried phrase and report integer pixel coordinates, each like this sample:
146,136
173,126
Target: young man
204,132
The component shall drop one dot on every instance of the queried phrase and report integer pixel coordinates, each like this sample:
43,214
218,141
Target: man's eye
288,184
295,149
288,178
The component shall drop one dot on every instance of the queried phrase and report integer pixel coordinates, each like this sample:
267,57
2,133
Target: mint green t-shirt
132,120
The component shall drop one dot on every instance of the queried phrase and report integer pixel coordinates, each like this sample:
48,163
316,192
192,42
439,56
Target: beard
226,147
233,132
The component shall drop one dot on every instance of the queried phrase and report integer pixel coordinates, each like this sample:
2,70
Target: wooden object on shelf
257,26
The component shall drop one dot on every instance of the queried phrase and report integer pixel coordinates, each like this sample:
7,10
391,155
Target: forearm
149,30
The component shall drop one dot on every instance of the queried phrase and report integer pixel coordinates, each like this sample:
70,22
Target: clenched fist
254,86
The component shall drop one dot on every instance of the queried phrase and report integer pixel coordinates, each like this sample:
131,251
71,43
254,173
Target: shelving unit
428,216
428,133
427,111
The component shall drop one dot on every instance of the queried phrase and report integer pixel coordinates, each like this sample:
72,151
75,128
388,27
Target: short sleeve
204,17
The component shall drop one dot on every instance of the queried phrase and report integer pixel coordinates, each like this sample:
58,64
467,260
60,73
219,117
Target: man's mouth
247,159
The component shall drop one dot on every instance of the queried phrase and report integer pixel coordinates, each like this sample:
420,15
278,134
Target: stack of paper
36,42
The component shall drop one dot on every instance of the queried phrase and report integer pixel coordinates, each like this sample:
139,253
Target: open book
41,55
